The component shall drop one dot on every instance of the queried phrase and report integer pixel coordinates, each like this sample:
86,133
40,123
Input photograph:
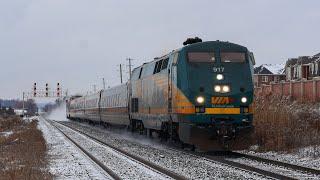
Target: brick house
267,73
303,67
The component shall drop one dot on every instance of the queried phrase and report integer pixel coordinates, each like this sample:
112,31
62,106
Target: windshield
201,57
237,57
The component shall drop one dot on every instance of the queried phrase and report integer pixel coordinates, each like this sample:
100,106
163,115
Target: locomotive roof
225,44
215,43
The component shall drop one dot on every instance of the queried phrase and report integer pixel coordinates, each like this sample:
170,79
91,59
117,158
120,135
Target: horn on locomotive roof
192,40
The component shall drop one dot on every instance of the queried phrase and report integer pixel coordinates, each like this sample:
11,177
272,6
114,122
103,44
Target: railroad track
248,167
278,163
136,158
225,156
95,160
222,159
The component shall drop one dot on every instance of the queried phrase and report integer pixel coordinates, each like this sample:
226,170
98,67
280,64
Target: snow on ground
120,164
65,159
6,133
308,157
182,163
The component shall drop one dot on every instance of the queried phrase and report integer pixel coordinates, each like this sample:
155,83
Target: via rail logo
220,100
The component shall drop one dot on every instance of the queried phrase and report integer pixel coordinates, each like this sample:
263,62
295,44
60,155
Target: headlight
225,89
244,99
217,88
200,99
219,76
222,88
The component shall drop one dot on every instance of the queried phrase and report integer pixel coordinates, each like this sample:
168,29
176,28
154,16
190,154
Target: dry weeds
285,125
23,153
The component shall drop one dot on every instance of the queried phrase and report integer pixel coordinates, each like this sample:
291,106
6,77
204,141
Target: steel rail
248,168
278,163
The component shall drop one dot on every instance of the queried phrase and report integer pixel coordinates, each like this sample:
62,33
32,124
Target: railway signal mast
58,90
34,89
38,93
47,89
44,93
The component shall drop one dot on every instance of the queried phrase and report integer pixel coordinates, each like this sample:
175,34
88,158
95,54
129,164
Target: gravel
190,166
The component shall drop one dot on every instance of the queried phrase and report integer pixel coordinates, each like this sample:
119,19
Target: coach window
233,57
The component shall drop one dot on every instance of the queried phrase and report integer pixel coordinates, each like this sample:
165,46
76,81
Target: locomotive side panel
150,93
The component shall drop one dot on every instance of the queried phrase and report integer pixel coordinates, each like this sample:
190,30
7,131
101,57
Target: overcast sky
77,42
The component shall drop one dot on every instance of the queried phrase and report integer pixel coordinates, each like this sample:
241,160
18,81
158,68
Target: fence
305,90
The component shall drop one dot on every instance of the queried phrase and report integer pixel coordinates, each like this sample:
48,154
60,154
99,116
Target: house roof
270,69
317,55
303,60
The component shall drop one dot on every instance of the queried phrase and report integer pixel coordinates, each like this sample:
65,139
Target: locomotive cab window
201,57
165,64
160,65
233,57
157,67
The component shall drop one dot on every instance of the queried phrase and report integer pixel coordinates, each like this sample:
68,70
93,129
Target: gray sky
77,42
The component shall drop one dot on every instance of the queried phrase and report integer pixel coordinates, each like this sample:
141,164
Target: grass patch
22,150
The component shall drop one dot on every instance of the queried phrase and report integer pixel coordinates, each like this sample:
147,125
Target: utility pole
130,65
23,104
104,83
121,73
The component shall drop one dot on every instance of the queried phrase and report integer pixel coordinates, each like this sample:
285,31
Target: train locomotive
200,94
